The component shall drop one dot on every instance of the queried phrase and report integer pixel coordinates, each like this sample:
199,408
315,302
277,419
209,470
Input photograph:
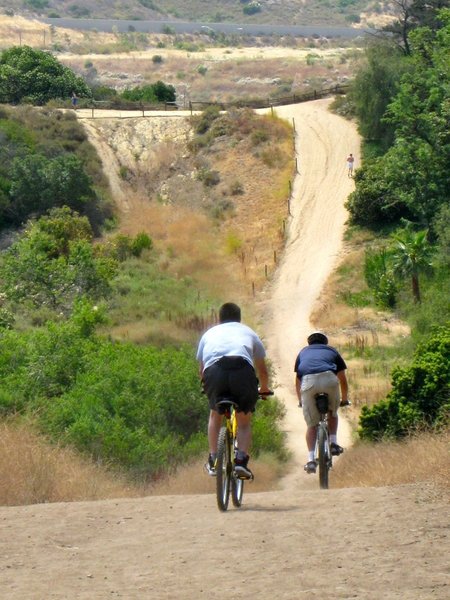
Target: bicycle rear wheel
223,469
324,459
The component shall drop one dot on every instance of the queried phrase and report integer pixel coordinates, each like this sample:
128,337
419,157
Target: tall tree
413,14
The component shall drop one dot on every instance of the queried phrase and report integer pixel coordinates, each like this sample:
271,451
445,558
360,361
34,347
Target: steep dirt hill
294,543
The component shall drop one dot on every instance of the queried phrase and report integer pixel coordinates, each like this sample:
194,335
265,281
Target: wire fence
144,108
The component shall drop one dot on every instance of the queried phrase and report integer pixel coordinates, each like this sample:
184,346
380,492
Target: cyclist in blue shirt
320,368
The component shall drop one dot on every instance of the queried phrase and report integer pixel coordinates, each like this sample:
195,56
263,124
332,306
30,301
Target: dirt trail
315,234
293,544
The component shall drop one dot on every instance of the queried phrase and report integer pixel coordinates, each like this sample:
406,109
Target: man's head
229,312
317,337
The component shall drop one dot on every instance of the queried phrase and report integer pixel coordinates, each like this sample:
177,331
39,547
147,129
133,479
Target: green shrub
420,395
203,122
141,242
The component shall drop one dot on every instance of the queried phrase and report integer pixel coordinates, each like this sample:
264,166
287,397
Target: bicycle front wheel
223,469
324,464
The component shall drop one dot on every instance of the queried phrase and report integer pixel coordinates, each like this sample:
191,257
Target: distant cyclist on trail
350,163
228,354
320,368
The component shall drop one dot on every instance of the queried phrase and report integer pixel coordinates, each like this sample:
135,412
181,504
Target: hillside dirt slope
294,543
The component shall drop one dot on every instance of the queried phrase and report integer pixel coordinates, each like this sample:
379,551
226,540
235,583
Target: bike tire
324,458
223,469
237,491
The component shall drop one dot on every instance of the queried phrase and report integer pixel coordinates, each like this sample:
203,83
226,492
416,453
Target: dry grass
18,31
421,458
33,471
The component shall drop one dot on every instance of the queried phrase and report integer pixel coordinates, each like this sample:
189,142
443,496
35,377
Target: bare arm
263,374
298,386
200,369
344,385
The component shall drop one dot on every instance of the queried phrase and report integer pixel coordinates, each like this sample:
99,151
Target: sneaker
336,449
210,467
310,467
241,469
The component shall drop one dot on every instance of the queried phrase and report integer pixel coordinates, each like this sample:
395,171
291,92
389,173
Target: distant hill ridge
294,12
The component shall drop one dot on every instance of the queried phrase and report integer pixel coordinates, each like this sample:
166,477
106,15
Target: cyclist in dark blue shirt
320,368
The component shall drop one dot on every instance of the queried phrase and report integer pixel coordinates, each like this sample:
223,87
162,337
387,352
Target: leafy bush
203,122
155,92
53,263
35,76
46,161
380,278
420,395
252,8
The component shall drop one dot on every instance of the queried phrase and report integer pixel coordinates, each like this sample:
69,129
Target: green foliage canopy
53,263
155,92
420,395
35,76
412,178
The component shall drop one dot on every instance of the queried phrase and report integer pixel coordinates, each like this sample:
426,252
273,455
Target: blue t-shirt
318,358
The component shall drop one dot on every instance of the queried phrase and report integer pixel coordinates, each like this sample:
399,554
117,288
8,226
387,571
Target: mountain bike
322,453
227,482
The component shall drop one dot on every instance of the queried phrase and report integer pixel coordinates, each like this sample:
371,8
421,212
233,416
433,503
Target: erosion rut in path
291,544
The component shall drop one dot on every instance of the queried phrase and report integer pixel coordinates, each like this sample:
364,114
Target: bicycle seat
322,402
224,403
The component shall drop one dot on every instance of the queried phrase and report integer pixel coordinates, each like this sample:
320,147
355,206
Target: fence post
253,288
293,124
265,271
190,107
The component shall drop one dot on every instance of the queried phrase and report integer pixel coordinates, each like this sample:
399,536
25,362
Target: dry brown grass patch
421,458
33,471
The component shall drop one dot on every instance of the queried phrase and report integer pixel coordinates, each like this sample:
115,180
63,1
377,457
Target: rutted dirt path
296,543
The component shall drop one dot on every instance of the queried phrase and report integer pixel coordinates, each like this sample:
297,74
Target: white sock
333,439
310,455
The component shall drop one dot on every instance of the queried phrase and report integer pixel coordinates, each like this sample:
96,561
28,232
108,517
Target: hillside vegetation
61,284
401,199
237,11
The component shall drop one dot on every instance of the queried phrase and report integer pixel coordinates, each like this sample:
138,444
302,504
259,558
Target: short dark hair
229,312
317,337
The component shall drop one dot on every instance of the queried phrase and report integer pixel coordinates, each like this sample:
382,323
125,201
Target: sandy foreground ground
294,543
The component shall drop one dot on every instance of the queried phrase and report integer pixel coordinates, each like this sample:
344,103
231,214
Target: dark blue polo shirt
318,358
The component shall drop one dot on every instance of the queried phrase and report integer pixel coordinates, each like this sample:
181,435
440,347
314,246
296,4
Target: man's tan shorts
311,385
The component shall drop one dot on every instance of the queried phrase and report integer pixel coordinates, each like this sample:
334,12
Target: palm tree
412,254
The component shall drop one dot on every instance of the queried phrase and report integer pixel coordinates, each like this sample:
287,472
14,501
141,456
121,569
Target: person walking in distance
74,101
319,368
350,163
228,354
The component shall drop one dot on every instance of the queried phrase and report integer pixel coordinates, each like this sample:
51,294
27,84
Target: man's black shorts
232,376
